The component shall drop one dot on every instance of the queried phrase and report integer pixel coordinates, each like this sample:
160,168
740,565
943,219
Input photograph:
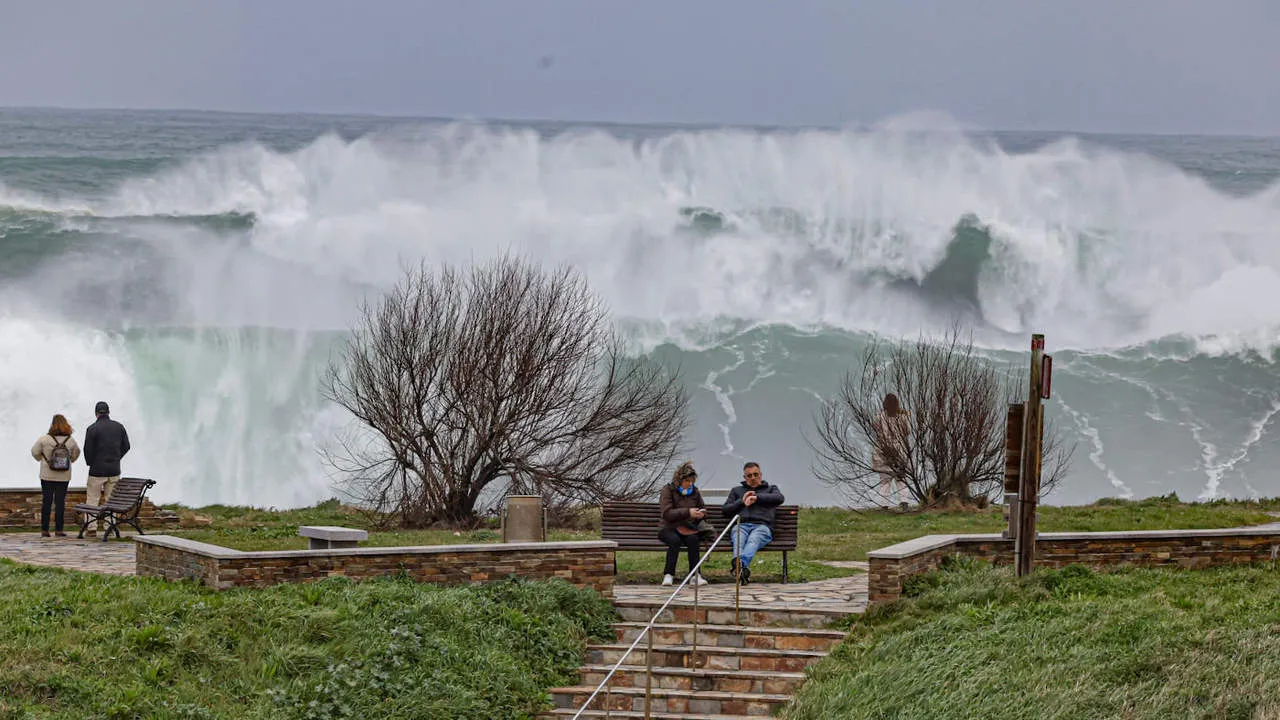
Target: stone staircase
748,668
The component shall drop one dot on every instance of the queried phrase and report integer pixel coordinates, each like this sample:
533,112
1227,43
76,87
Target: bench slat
634,526
122,506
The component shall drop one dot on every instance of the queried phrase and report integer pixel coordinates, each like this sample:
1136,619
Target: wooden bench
122,507
634,526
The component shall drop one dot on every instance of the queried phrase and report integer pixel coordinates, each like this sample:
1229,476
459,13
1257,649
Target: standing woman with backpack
55,451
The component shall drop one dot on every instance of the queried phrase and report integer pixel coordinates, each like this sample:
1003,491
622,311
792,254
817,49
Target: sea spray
201,281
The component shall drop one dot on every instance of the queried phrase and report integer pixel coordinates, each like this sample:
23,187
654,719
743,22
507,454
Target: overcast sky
1180,66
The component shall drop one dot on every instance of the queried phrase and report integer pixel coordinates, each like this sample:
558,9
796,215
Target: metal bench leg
85,519
784,566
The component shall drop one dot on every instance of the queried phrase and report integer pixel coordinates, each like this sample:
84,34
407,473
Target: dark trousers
674,541
52,493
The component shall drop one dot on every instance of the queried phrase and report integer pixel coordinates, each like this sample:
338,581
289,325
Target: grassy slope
825,533
79,645
956,649
974,642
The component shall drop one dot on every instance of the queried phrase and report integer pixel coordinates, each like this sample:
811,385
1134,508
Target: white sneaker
699,580
668,580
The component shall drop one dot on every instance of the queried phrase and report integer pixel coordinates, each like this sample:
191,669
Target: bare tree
463,381
949,446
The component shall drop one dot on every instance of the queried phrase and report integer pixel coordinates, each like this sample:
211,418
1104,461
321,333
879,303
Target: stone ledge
587,564
190,546
925,543
225,553
20,508
1153,534
891,566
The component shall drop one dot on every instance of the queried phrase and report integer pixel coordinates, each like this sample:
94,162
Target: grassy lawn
83,645
825,533
975,642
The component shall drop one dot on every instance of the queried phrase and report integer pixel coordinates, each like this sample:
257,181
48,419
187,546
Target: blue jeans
754,537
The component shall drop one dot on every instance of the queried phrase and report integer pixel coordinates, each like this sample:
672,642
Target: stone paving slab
846,594
115,557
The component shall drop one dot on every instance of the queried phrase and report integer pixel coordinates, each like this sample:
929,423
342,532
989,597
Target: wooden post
1012,464
1029,482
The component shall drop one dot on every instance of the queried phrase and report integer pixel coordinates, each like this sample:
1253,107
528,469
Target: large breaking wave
205,293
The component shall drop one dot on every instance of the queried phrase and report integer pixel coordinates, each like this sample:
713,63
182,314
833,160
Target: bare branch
946,447
508,374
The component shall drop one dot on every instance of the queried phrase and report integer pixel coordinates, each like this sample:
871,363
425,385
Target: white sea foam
824,231
1095,247
1097,449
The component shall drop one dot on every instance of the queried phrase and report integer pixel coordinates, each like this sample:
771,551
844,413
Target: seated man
755,502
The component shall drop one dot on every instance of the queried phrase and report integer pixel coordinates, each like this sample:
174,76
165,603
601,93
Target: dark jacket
768,498
105,443
674,508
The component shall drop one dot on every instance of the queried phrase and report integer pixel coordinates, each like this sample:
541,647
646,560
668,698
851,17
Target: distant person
755,502
105,444
889,452
681,509
56,450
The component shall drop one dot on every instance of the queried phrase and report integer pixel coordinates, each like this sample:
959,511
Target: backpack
60,458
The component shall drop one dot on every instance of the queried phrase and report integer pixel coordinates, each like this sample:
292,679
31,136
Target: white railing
645,632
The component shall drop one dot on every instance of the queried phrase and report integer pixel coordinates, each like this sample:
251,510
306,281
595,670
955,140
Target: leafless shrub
464,382
950,447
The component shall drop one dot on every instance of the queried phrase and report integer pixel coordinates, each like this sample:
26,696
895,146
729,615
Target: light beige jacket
891,433
44,448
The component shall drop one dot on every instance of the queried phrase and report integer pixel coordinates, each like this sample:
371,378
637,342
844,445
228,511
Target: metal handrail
649,625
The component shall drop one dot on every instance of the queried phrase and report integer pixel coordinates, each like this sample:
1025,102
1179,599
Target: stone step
715,658
720,614
775,638
559,713
709,702
699,679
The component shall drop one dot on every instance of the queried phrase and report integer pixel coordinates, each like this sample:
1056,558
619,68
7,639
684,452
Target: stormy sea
197,271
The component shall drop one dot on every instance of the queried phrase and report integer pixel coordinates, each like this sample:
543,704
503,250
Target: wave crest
888,230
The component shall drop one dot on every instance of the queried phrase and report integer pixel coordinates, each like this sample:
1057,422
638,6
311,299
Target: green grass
81,645
972,641
825,533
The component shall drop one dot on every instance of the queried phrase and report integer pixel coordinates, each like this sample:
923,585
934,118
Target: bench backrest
632,524
127,494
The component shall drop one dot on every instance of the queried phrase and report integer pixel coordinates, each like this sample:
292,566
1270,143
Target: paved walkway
846,594
89,555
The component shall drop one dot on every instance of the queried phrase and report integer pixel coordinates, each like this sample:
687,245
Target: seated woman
681,508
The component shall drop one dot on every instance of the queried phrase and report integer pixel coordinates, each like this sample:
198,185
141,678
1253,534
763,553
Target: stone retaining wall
585,564
892,566
20,508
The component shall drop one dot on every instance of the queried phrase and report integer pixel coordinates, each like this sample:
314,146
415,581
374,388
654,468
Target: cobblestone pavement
846,594
90,555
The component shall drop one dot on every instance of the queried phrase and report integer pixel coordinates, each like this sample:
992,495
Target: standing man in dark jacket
105,443
755,502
